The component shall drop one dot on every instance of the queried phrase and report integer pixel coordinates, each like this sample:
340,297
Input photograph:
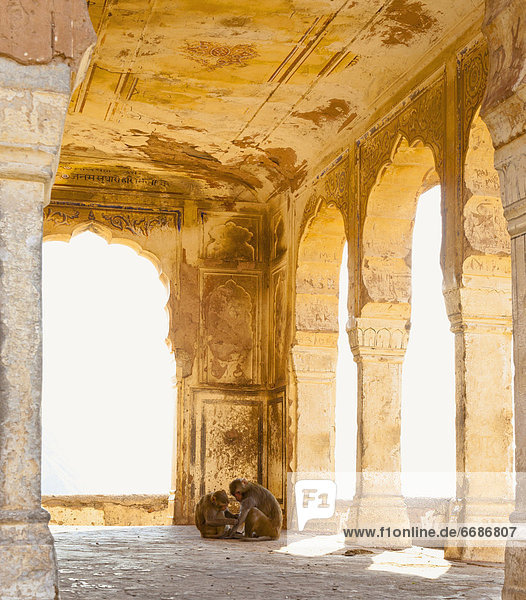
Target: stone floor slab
162,563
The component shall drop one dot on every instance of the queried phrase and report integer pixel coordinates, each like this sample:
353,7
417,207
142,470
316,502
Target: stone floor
161,563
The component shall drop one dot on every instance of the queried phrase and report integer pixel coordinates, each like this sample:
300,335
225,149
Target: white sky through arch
108,402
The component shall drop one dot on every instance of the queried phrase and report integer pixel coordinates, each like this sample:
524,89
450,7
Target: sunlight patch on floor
420,562
318,545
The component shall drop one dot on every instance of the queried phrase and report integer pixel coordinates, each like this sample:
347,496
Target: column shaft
315,370
33,104
484,411
379,348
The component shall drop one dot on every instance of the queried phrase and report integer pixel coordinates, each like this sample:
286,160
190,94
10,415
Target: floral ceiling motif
214,56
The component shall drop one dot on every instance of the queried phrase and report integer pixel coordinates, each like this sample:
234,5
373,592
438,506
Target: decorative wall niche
230,326
276,444
228,237
278,325
279,237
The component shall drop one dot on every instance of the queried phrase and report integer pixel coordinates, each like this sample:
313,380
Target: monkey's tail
263,538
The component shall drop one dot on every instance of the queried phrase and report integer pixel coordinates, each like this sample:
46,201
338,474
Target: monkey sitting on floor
212,516
260,511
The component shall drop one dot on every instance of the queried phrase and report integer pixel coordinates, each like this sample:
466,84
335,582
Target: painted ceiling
241,99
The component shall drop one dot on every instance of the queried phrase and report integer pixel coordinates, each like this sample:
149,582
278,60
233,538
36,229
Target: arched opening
346,384
380,334
428,380
315,350
108,398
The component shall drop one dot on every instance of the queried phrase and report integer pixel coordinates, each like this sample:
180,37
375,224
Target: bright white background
108,403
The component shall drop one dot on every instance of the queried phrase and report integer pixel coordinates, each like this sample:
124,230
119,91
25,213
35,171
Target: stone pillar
504,111
315,373
33,105
481,321
379,346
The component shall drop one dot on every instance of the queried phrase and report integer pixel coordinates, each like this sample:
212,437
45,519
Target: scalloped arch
107,234
389,216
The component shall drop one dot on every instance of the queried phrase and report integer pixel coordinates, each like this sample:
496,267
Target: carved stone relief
337,187
230,328
137,222
279,326
333,187
420,118
309,211
505,31
230,238
373,334
485,225
472,74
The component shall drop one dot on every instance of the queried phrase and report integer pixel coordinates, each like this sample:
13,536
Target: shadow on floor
161,563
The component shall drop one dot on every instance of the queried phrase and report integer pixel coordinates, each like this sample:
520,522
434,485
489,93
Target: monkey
212,516
260,511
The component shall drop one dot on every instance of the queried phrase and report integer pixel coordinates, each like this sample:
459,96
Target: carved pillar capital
378,338
510,162
30,144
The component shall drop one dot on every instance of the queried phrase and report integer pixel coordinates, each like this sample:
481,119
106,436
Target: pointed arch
314,352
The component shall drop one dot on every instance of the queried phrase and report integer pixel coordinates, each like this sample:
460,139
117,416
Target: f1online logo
315,499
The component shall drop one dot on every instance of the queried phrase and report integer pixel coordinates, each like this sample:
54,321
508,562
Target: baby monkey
212,516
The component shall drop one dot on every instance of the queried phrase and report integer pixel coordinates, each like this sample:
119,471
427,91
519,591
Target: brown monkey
260,511
212,516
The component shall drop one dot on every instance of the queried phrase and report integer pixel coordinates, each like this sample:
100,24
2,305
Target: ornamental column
504,111
481,321
379,346
33,104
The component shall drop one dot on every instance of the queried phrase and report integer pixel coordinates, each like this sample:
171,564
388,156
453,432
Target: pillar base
27,556
477,512
515,575
374,512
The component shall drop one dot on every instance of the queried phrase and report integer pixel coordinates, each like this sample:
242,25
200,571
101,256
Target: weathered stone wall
36,33
228,424
137,509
